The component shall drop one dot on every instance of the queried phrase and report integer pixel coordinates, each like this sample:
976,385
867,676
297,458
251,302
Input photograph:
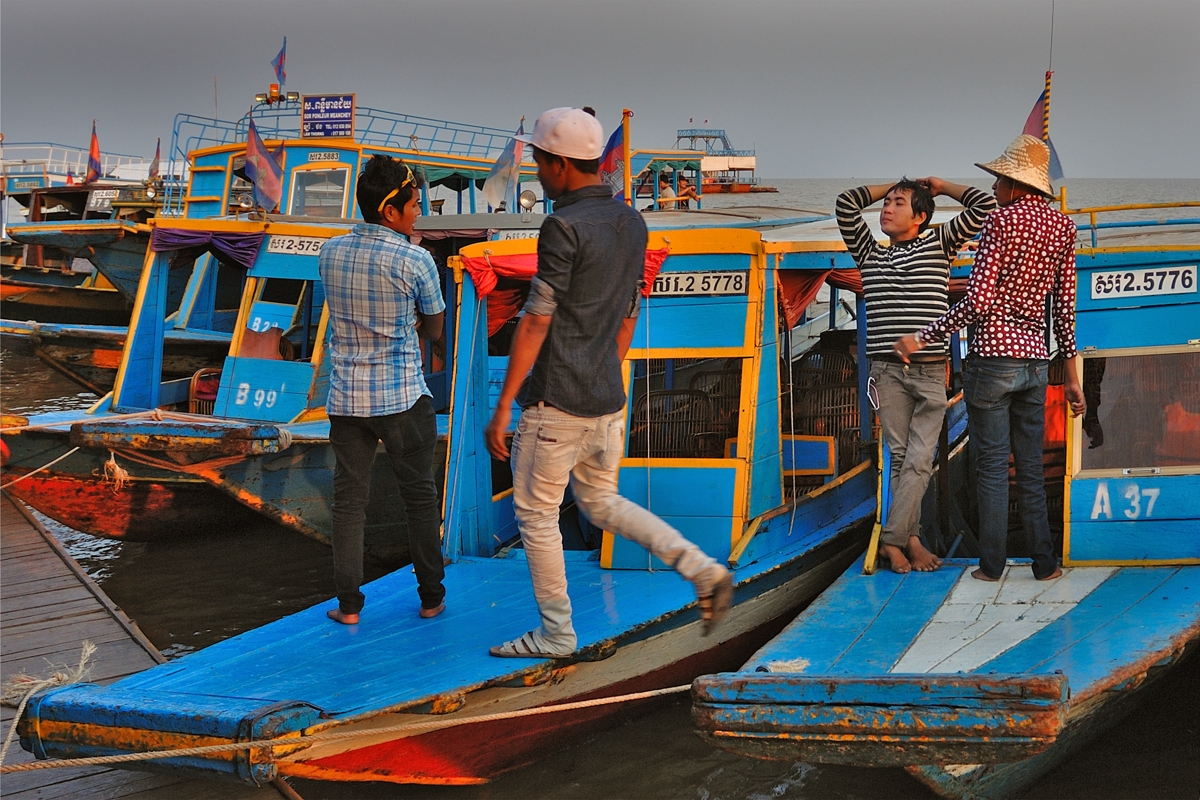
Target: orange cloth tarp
504,304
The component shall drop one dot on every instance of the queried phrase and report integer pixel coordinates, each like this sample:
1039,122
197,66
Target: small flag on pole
263,170
612,163
70,177
154,165
93,167
1038,126
503,177
277,63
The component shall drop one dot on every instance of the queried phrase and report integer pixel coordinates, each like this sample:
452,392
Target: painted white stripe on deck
980,620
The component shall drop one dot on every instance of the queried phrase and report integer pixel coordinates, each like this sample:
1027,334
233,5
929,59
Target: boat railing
1094,227
372,127
36,158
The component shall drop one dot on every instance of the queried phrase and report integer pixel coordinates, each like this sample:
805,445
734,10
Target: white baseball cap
567,132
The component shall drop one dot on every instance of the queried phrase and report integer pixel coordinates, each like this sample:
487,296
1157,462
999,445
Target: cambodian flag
1035,127
500,182
154,165
263,171
277,64
93,169
612,168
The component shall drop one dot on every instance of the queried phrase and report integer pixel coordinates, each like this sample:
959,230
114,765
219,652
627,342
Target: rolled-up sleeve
556,254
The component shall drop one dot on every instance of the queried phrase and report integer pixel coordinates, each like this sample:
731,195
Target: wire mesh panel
674,423
818,367
826,410
724,389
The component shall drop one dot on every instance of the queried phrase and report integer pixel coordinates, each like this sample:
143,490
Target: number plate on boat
294,245
687,284
1144,282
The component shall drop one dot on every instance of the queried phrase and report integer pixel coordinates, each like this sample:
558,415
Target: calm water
195,591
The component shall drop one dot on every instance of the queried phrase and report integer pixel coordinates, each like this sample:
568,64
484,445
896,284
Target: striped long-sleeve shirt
906,286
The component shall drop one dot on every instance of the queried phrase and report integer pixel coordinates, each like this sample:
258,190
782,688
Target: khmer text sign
327,115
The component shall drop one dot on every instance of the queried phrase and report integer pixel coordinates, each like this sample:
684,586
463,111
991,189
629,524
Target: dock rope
19,688
42,468
332,736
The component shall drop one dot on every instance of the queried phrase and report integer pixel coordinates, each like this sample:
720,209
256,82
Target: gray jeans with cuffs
912,404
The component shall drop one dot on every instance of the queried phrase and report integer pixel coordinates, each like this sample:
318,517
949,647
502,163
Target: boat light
527,200
261,97
293,97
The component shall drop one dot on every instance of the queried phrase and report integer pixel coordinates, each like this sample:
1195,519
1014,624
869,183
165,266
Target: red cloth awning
797,288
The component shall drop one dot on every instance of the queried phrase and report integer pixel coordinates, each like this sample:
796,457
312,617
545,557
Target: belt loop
541,405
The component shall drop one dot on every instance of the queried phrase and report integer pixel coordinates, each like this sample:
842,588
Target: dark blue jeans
1006,411
409,438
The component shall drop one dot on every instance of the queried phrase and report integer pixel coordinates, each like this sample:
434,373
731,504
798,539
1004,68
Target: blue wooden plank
818,453
680,491
691,323
915,601
1169,540
285,265
843,614
1150,326
255,388
713,535
1067,643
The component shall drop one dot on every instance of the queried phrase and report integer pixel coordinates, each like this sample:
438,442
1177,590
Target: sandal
715,606
523,647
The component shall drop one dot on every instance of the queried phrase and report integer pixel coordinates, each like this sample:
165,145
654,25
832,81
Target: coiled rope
332,736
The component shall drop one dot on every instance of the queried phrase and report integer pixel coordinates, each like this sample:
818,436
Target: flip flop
715,606
523,647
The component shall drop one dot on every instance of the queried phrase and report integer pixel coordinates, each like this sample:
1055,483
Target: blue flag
263,170
277,64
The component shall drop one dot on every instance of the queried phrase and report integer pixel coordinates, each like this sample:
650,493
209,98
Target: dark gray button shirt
591,262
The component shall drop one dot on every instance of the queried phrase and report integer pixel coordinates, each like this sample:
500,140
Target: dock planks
48,607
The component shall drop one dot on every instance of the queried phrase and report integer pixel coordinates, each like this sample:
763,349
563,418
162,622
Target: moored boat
779,488
979,688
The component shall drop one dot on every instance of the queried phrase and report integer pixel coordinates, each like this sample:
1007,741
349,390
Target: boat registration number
295,245
1144,282
526,233
688,284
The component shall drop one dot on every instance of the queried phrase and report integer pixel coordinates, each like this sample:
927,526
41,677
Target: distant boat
725,170
979,688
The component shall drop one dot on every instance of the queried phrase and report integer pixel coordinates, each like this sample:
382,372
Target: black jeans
1006,411
409,438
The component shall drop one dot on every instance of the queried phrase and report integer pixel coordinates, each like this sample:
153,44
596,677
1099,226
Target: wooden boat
786,497
979,688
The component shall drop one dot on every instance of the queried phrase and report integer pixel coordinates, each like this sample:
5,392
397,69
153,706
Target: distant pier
48,607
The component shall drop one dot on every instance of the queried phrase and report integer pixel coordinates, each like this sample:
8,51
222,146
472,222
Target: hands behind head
934,185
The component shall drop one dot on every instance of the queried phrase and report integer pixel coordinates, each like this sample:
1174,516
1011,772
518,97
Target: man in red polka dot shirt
1026,253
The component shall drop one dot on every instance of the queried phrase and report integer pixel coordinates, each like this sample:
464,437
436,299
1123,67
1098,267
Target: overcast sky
845,88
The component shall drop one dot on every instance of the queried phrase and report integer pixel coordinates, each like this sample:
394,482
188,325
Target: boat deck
947,622
50,606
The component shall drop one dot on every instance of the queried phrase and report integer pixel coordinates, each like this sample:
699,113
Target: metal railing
37,158
1093,226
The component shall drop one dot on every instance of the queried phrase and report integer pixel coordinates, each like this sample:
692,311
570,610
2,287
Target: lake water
194,591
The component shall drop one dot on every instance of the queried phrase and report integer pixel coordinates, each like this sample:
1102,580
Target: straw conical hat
1027,161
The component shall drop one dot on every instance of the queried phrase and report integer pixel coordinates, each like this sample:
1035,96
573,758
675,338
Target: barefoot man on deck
576,328
906,286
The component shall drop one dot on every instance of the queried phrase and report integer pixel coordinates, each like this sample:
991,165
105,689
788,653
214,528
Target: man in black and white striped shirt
906,287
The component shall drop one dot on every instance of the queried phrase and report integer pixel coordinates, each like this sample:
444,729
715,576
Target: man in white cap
575,331
1026,252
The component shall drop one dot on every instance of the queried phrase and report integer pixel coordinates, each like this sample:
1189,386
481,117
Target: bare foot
922,560
980,576
896,558
1056,574
346,619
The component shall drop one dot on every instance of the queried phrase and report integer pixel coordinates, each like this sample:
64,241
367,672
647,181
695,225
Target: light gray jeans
551,449
912,404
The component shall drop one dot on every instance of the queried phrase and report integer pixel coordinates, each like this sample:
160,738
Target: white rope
332,736
42,468
25,686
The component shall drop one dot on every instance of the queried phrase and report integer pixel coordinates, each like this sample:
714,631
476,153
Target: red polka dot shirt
1026,252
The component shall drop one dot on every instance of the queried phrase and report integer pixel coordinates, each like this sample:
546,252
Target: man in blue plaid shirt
382,292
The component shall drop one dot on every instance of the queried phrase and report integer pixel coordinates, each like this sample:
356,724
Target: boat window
1143,411
684,408
319,193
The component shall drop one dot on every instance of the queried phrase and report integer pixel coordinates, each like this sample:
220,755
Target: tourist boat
725,170
978,688
758,460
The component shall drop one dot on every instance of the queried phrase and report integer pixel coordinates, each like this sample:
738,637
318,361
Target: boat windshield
319,193
1143,411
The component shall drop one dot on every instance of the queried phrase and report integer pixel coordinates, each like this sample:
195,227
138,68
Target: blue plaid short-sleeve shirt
376,281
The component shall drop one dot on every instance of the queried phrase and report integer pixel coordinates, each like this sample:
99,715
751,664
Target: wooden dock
48,607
